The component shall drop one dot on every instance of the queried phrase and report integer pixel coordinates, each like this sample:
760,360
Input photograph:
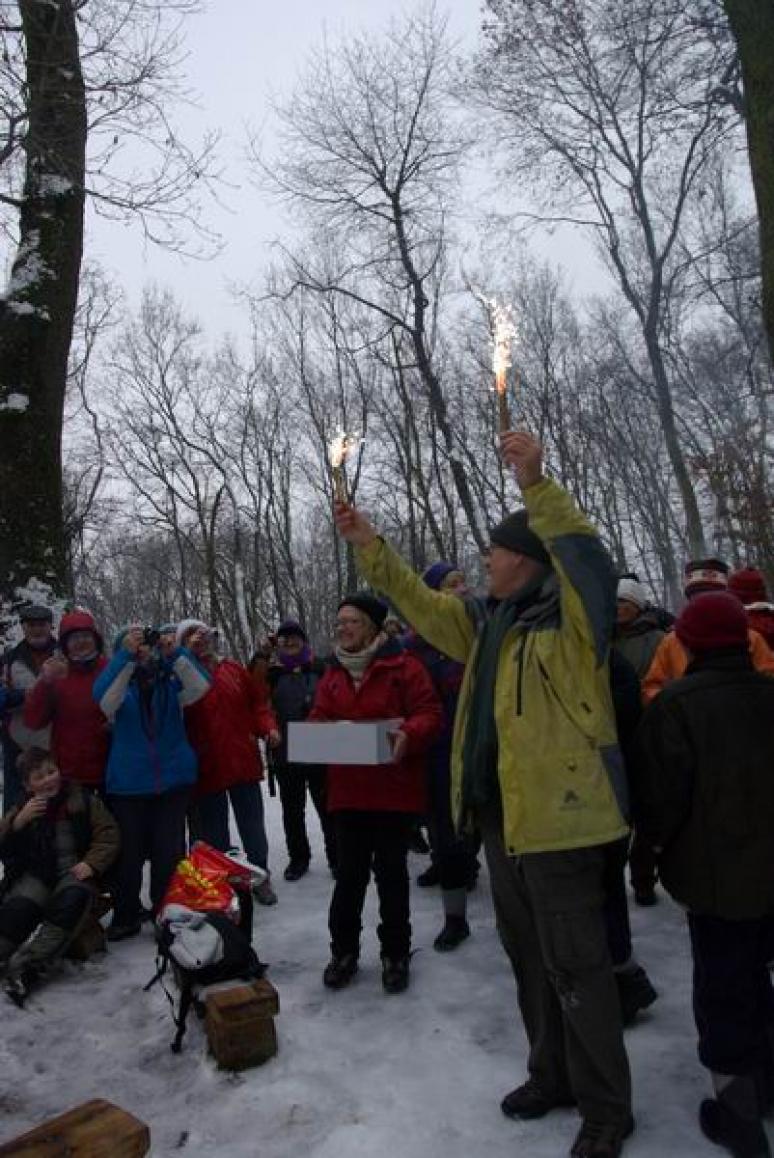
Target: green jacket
560,771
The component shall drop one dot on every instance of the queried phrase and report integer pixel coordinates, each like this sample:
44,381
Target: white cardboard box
342,742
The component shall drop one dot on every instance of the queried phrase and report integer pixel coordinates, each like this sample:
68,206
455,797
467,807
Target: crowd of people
559,721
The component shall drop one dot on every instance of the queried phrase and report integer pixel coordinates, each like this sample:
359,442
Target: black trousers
643,871
454,856
365,841
616,907
151,827
293,780
733,1000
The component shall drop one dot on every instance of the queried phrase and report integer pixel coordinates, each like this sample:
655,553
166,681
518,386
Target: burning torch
340,448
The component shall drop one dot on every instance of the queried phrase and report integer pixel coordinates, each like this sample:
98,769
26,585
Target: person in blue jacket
152,767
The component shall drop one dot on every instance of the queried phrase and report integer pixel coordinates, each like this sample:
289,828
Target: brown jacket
96,835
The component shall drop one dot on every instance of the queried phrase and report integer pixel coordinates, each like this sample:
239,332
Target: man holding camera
152,767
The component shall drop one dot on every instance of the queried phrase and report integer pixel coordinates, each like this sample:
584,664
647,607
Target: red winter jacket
223,726
395,684
80,733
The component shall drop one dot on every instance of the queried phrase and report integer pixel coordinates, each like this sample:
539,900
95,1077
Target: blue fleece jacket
150,753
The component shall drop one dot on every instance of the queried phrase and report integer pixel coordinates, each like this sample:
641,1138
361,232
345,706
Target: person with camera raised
151,768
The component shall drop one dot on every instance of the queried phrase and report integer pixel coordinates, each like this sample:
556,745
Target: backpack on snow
236,960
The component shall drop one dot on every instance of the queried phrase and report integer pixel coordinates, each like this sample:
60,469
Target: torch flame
504,334
340,447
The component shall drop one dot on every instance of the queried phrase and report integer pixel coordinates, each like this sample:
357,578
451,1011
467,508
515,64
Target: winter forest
413,174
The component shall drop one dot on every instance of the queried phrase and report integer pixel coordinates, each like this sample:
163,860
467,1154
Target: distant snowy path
359,1074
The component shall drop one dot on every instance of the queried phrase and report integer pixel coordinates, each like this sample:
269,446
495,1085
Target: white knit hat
187,625
632,592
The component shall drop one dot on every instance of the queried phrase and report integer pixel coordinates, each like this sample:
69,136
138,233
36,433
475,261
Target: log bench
96,1129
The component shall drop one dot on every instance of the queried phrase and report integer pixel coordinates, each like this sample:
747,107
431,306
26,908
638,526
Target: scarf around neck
356,662
480,750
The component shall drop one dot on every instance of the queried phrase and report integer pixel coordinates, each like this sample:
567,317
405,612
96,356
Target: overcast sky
241,51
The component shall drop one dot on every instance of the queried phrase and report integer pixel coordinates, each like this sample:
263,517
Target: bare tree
370,152
78,82
752,24
614,113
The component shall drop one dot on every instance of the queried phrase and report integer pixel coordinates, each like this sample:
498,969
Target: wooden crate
240,1024
95,1129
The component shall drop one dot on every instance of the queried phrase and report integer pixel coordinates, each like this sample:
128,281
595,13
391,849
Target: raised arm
195,680
587,585
441,619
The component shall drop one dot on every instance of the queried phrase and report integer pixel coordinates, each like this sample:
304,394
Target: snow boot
340,970
635,992
645,897
264,893
296,869
453,933
395,974
732,1119
601,1139
530,1100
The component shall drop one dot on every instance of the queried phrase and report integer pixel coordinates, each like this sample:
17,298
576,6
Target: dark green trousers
549,910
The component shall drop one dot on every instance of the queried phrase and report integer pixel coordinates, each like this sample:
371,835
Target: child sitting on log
54,846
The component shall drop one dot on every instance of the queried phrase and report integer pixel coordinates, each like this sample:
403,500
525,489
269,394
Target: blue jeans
247,802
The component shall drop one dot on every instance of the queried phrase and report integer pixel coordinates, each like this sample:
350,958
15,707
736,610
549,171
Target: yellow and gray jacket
561,776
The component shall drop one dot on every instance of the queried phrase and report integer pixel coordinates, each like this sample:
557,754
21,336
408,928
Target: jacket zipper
563,706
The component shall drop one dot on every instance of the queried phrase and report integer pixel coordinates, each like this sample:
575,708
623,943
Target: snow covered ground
359,1074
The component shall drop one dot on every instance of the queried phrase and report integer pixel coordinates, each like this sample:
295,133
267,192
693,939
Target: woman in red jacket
62,697
373,807
223,729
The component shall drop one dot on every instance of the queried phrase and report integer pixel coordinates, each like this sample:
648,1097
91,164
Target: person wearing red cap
749,585
671,659
62,698
704,799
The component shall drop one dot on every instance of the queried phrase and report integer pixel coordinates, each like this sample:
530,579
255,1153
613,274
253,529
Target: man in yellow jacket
536,766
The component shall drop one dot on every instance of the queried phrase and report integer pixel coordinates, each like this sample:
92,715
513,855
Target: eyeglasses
349,622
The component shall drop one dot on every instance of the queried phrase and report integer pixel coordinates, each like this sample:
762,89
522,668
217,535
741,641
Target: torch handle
503,413
339,486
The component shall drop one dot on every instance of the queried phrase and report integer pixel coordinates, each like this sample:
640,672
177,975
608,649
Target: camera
150,636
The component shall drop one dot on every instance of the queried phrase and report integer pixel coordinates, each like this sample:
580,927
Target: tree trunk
752,23
36,314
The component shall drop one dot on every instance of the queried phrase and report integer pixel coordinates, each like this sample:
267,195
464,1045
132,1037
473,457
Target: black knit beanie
369,605
513,534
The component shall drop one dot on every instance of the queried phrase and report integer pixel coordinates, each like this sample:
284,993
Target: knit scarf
298,659
480,750
356,662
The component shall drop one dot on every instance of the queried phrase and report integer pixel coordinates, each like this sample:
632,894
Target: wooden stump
90,940
96,1129
240,1024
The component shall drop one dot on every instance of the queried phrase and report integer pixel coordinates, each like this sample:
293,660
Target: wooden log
240,1024
90,940
96,1129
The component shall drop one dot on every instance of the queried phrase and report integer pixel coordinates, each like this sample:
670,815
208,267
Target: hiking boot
635,992
395,974
743,1137
340,970
454,932
530,1100
601,1139
264,893
296,869
16,989
645,897
429,878
121,932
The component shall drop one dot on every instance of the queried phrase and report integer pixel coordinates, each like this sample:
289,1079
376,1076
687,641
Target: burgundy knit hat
712,621
748,585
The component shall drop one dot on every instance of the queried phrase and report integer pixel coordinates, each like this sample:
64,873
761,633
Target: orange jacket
671,661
